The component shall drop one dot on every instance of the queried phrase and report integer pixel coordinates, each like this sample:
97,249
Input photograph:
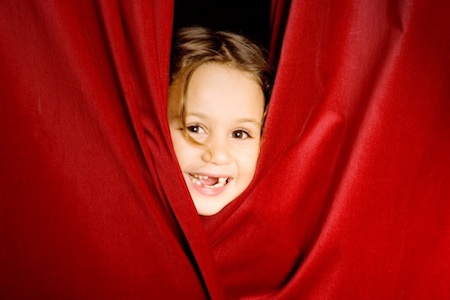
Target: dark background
250,18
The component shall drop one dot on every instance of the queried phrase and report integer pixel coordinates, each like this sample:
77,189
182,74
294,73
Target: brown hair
194,46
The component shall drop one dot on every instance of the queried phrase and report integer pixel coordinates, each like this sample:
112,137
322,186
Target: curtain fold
350,198
351,195
82,104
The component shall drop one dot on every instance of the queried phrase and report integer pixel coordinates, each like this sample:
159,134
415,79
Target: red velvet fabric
350,199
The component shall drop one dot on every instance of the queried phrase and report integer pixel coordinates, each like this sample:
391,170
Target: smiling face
224,110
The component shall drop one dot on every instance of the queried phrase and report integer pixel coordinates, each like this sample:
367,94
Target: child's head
219,89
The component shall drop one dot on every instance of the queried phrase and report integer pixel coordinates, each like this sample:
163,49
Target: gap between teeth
220,183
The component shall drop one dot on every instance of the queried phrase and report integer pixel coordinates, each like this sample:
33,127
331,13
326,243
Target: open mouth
208,181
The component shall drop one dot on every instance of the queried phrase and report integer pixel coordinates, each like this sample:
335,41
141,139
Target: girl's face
224,113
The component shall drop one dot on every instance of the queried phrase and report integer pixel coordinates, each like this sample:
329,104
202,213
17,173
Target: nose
217,151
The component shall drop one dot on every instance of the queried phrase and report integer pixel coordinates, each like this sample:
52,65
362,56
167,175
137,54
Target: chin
211,207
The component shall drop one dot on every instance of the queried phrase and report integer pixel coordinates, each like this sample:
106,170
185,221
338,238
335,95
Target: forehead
214,84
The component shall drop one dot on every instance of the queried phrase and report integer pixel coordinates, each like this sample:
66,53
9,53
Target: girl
219,90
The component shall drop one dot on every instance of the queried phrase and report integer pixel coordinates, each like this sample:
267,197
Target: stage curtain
350,199
352,195
84,154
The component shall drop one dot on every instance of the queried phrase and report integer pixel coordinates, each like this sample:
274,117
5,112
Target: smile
208,181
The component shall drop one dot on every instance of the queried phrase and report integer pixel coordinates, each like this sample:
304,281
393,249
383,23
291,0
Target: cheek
179,143
184,150
248,161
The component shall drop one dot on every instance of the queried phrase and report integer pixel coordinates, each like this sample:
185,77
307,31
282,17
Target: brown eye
195,129
240,134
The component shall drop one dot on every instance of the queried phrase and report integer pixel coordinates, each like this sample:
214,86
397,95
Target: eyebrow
243,120
199,115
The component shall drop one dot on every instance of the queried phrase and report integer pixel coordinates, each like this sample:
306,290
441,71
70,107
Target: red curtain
350,199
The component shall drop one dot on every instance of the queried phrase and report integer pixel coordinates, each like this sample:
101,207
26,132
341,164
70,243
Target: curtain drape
350,199
84,154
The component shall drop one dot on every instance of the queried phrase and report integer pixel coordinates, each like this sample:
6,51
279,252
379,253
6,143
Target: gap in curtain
251,17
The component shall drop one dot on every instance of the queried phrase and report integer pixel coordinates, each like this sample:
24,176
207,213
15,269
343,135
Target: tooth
196,179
